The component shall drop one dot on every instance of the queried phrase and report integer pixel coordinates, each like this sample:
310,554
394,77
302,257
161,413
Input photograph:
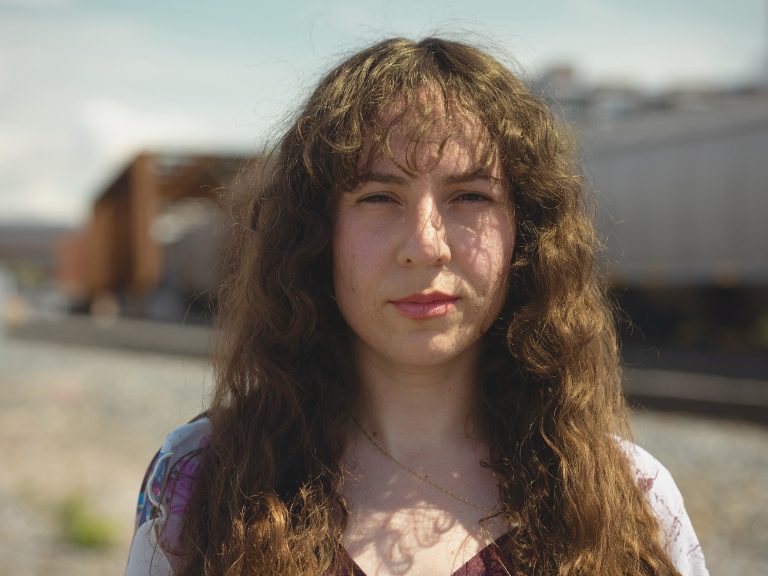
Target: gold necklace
422,477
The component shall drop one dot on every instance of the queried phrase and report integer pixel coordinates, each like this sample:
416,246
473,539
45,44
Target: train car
682,196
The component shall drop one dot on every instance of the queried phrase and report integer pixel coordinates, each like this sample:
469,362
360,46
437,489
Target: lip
426,306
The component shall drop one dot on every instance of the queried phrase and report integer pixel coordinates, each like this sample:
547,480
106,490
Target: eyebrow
481,173
383,178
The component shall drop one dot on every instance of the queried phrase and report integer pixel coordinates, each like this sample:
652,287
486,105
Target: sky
85,85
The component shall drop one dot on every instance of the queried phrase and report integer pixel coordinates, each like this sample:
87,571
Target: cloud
36,168
35,3
78,98
654,47
116,130
52,172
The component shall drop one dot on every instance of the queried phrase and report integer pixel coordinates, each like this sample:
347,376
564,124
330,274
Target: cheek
505,254
343,280
360,247
498,267
352,260
490,254
493,270
344,286
347,279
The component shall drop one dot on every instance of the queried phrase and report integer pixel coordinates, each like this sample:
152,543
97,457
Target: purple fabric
169,483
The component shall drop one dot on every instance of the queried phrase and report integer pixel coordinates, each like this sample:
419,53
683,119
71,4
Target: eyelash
381,198
377,199
471,197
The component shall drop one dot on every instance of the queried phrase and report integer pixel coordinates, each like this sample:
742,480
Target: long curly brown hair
269,498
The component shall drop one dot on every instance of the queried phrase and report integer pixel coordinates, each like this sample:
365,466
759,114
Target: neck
418,409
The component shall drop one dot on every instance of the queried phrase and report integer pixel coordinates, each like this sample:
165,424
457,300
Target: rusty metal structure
126,241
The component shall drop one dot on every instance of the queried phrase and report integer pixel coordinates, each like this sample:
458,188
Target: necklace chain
422,477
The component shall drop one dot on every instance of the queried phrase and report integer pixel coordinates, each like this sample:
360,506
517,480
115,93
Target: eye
471,197
377,198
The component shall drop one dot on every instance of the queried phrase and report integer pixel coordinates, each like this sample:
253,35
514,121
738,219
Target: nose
424,241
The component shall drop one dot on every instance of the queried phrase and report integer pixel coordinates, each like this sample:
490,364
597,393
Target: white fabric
146,559
676,532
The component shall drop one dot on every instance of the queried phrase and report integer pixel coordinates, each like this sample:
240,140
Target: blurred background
121,125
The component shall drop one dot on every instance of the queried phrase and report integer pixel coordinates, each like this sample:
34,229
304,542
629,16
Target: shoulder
175,462
677,535
168,486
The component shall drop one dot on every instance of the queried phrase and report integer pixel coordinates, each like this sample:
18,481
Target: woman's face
422,257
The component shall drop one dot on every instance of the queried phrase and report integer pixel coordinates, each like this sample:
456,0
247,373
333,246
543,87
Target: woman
419,373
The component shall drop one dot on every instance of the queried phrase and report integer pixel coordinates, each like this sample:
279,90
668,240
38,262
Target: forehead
417,139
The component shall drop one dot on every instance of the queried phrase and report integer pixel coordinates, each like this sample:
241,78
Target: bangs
427,119
428,96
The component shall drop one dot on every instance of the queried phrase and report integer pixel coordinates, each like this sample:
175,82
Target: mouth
426,306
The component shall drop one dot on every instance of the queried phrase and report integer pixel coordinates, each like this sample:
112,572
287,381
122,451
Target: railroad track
710,394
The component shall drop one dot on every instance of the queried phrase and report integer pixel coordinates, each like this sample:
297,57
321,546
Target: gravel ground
79,422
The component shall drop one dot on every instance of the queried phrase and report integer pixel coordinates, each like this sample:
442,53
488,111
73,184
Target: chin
430,352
